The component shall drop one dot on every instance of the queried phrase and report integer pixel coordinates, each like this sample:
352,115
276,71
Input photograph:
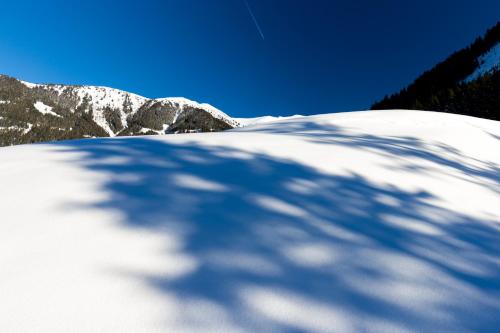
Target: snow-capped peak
184,102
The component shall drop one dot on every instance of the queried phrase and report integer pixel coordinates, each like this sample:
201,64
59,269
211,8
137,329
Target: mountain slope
468,82
488,63
43,112
379,221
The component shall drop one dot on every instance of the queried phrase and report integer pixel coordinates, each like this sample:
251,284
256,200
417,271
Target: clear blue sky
317,56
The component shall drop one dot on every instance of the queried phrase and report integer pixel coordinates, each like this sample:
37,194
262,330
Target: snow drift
366,221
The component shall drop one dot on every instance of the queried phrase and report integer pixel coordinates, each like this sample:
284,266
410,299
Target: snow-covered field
381,221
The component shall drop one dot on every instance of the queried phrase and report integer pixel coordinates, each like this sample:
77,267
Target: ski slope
379,221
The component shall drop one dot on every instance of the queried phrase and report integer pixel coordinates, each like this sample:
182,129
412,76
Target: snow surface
489,62
380,221
45,109
30,85
261,120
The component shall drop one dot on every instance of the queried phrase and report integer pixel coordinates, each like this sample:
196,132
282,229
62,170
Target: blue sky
317,56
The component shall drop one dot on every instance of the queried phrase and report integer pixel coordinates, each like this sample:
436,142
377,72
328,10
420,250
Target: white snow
26,130
379,221
17,128
262,120
4,102
30,85
45,109
58,88
489,62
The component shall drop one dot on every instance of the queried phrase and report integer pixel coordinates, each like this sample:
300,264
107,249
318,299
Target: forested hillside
468,82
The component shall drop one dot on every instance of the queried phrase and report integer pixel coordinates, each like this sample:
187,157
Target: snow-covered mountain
41,112
380,221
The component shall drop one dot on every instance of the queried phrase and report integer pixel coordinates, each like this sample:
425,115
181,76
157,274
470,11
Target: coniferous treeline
443,88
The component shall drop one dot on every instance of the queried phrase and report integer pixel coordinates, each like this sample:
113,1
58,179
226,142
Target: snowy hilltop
379,221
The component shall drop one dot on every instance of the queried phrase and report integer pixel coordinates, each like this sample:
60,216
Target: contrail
254,19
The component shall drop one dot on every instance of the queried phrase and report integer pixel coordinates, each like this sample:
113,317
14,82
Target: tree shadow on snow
280,246
395,148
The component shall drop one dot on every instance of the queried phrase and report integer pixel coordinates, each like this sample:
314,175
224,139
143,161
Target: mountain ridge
31,112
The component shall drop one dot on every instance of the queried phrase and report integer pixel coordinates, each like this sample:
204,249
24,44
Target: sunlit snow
45,109
380,221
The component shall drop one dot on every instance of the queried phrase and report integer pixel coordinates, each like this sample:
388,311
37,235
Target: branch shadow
437,154
280,246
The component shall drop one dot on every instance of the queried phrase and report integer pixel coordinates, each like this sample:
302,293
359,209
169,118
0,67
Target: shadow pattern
276,240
